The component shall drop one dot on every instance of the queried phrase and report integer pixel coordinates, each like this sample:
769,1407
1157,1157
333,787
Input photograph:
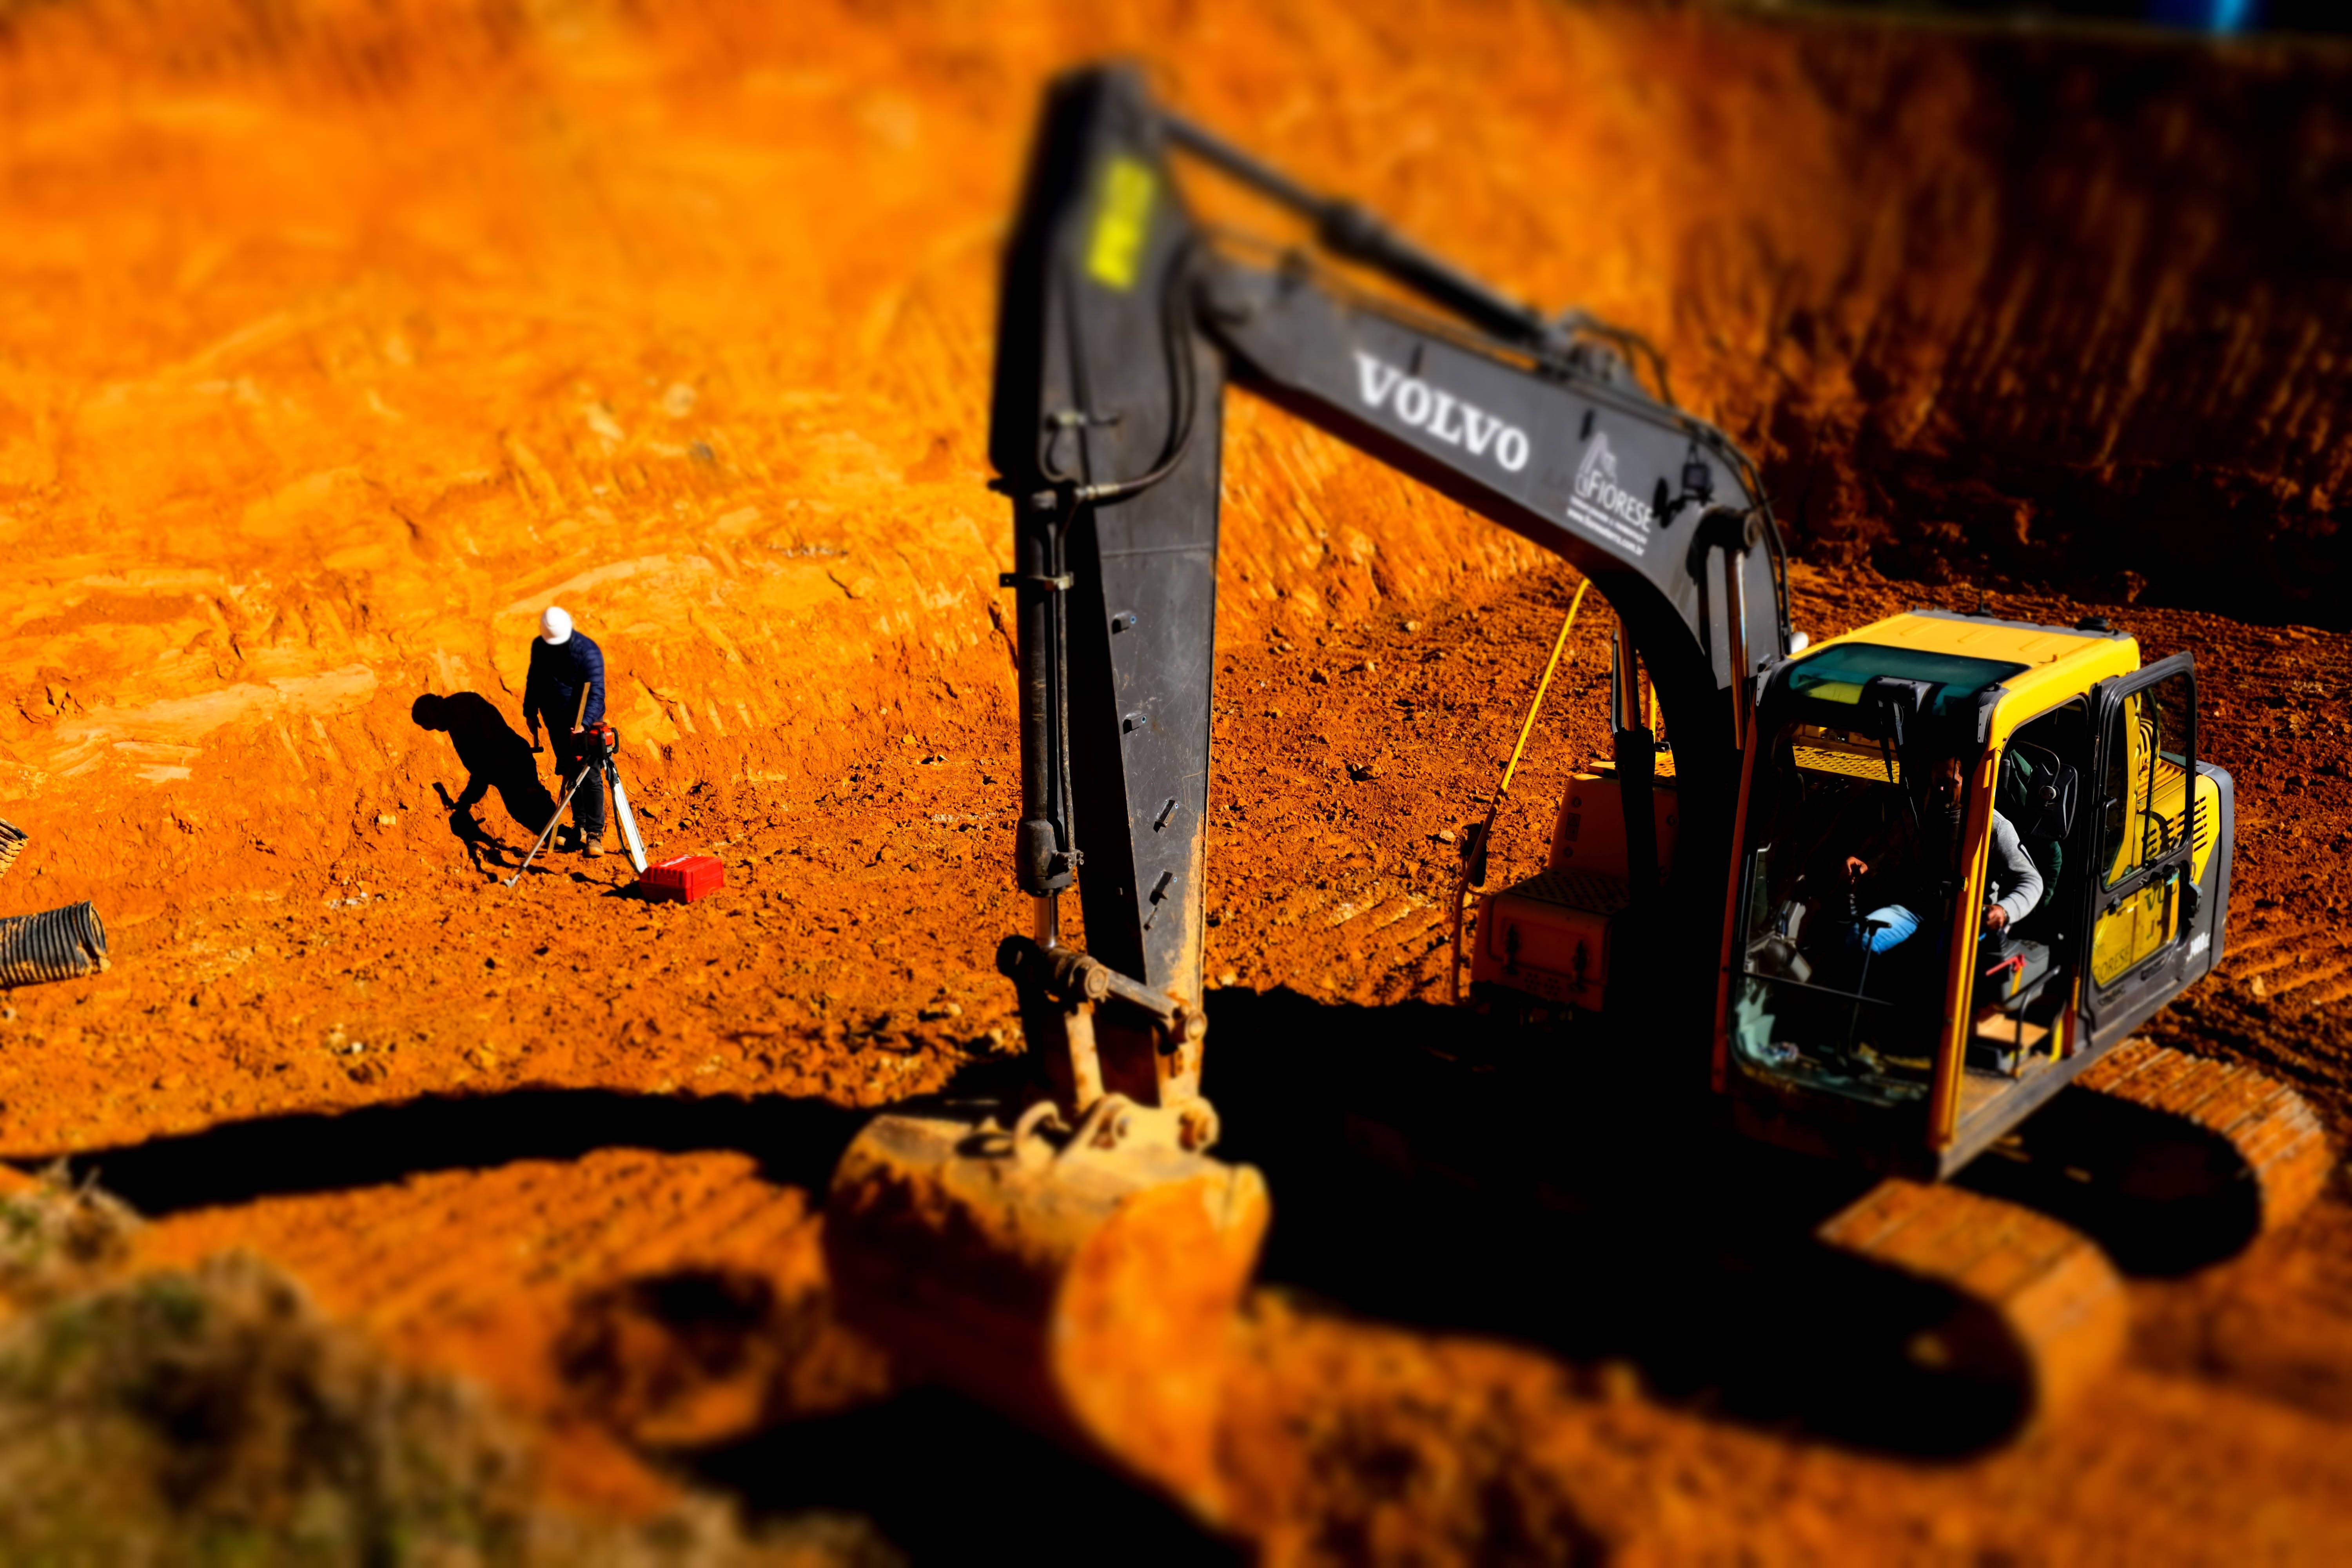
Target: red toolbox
684,878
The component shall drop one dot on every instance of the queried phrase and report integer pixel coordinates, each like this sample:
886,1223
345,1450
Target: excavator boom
1122,321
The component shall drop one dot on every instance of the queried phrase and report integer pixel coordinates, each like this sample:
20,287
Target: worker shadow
1435,1168
655,1353
497,759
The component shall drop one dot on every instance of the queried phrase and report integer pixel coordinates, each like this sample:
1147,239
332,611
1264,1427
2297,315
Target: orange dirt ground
340,339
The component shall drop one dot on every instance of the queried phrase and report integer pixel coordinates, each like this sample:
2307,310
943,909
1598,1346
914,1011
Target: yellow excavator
1878,901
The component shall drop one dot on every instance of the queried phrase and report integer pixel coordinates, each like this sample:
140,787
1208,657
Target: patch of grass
59,1240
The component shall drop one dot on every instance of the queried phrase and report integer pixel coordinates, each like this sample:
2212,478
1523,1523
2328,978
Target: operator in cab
1908,860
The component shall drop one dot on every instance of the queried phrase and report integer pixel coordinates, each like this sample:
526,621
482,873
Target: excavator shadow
796,1142
1540,1200
1566,1216
2161,1195
1439,1169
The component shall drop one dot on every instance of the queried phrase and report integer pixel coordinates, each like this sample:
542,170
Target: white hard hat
554,626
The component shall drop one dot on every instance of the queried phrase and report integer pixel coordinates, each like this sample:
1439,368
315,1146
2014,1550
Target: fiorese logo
1442,413
1596,482
1604,505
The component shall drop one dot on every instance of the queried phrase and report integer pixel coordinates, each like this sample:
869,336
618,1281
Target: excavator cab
1930,933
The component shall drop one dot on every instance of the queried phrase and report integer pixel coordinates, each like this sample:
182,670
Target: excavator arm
1076,1260
1123,322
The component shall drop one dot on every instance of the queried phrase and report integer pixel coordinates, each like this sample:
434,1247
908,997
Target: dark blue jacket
558,674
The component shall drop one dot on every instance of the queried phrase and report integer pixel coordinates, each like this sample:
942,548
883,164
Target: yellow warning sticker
1122,222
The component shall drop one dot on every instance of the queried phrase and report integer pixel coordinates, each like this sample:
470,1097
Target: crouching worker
565,691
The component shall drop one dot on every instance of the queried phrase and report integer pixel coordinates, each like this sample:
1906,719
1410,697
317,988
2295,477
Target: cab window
1852,866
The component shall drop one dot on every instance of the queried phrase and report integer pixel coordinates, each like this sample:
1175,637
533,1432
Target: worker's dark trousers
588,806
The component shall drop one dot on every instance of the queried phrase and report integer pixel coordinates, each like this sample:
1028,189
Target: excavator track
2272,1132
2026,1306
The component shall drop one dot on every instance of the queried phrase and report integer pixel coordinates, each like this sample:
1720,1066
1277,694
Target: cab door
2144,829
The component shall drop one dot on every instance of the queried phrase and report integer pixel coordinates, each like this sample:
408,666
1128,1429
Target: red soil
341,343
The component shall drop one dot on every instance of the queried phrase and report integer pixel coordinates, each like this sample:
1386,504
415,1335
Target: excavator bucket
1082,1279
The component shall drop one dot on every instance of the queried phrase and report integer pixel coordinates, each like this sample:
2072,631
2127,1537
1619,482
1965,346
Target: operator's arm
592,674
2013,874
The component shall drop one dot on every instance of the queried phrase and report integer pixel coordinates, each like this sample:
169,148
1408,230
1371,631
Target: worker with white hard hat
566,689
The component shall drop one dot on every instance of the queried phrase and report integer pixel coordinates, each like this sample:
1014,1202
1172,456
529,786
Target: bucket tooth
2272,1135
1083,1280
2032,1305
